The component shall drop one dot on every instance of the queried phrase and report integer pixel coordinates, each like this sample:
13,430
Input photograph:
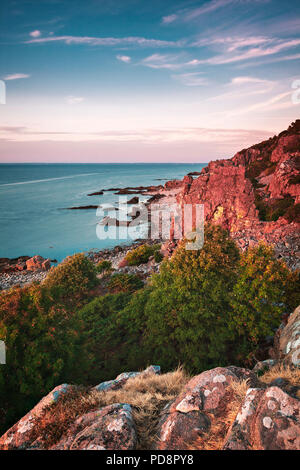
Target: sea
34,199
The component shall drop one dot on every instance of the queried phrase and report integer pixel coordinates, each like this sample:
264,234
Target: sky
145,81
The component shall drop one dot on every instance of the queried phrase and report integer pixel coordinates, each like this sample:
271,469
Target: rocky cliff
223,408
255,194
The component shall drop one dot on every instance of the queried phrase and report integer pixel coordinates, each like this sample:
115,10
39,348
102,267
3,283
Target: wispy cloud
276,102
169,61
244,80
208,7
190,14
243,52
160,61
169,19
191,79
147,135
124,58
35,34
16,76
233,42
108,41
74,99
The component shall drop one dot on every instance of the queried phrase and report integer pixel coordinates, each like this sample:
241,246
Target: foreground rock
122,379
267,420
111,428
289,341
205,399
19,436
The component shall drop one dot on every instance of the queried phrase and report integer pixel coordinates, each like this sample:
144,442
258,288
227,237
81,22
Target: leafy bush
102,336
264,290
73,277
103,266
124,283
141,254
208,308
158,257
183,316
42,341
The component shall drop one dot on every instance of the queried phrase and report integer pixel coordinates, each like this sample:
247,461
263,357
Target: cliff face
255,194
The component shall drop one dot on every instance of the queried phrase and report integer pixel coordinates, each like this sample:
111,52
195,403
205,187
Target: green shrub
208,308
183,317
141,254
103,337
103,266
265,289
43,349
158,257
124,283
73,277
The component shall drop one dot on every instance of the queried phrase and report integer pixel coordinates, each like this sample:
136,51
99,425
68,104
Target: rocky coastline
255,195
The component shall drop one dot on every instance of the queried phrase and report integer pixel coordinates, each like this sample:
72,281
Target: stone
38,263
263,366
110,428
177,430
204,400
18,437
287,344
267,420
121,379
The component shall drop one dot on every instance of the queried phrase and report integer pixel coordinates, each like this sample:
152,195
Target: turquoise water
32,197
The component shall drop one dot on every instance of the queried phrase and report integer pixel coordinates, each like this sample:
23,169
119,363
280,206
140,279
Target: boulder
110,428
267,420
123,263
134,200
263,366
204,399
289,341
121,379
19,436
38,263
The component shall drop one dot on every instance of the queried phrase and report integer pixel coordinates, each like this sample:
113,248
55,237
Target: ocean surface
33,198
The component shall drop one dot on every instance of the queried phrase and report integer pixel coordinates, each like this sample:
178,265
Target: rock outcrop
268,419
19,436
255,194
24,263
287,341
111,428
205,399
38,263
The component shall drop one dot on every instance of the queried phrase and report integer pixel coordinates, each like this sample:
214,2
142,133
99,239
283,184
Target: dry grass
291,375
214,439
146,394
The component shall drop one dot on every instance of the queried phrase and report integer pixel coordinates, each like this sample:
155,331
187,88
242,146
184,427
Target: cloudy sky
140,80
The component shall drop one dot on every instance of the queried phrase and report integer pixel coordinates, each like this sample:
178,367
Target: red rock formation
38,263
255,195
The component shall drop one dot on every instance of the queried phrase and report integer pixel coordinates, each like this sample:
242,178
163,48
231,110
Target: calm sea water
32,197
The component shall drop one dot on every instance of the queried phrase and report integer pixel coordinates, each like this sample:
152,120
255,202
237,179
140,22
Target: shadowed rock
110,428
